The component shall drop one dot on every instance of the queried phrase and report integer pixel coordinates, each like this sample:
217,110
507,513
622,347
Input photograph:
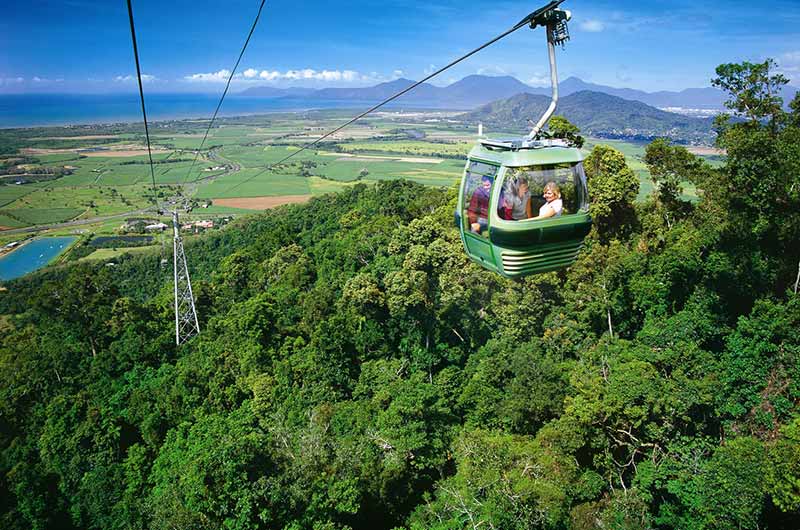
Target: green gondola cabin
521,243
523,205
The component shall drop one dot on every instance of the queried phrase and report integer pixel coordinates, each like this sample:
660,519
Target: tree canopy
357,371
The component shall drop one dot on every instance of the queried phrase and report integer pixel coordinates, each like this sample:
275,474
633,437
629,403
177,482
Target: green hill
596,114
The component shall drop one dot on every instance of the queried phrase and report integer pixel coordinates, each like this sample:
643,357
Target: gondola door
476,194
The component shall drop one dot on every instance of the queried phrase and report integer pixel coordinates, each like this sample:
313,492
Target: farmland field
103,170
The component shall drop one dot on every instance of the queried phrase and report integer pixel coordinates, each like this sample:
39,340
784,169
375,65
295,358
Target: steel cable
225,92
522,23
141,96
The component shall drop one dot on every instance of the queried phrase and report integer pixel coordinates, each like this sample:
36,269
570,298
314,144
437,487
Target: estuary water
32,256
34,110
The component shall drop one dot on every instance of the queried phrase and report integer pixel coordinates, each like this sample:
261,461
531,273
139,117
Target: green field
254,183
36,216
105,254
410,148
11,192
386,147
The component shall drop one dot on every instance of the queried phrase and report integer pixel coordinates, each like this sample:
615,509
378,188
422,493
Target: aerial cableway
510,250
187,324
496,197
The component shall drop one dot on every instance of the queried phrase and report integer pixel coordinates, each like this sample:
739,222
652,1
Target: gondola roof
507,154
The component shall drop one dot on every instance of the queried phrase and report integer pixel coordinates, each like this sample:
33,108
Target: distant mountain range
596,114
475,90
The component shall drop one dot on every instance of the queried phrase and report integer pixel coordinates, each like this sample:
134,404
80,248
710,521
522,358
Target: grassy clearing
106,254
415,148
11,222
12,192
259,157
37,216
215,209
92,200
253,183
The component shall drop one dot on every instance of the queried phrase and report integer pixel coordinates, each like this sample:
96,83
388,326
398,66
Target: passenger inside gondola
515,203
553,204
478,210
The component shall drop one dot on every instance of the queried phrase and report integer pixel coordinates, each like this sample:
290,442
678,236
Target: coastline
31,111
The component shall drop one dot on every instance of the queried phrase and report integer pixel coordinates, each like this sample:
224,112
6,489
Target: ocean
35,110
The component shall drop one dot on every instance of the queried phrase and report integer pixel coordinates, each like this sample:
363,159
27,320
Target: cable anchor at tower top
554,20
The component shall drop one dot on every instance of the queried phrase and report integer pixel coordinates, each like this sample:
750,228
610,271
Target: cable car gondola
497,215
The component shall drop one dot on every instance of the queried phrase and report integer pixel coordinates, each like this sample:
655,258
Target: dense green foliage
355,370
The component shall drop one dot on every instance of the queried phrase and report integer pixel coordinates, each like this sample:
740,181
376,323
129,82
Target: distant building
135,222
156,226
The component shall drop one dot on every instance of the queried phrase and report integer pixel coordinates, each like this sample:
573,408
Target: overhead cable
227,85
522,23
141,96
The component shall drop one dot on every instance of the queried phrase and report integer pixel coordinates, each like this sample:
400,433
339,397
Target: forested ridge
355,370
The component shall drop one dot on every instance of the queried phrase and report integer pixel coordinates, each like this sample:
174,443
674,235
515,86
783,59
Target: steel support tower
186,324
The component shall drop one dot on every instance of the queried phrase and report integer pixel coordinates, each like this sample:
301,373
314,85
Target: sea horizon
18,111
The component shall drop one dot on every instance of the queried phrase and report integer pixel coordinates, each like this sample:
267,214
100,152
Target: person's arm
528,209
548,212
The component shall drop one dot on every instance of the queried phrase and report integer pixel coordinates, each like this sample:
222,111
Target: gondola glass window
477,192
530,181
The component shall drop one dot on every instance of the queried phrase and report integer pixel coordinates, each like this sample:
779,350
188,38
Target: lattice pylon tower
186,324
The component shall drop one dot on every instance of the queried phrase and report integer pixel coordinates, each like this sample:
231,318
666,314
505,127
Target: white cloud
11,80
214,77
592,26
303,76
539,79
131,78
269,76
492,70
789,65
791,56
430,69
37,79
324,75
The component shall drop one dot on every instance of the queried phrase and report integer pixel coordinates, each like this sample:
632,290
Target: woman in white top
554,204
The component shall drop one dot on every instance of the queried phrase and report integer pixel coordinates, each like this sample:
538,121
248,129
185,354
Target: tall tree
755,90
670,166
613,187
561,127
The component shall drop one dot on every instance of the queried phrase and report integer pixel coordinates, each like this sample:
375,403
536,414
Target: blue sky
187,46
